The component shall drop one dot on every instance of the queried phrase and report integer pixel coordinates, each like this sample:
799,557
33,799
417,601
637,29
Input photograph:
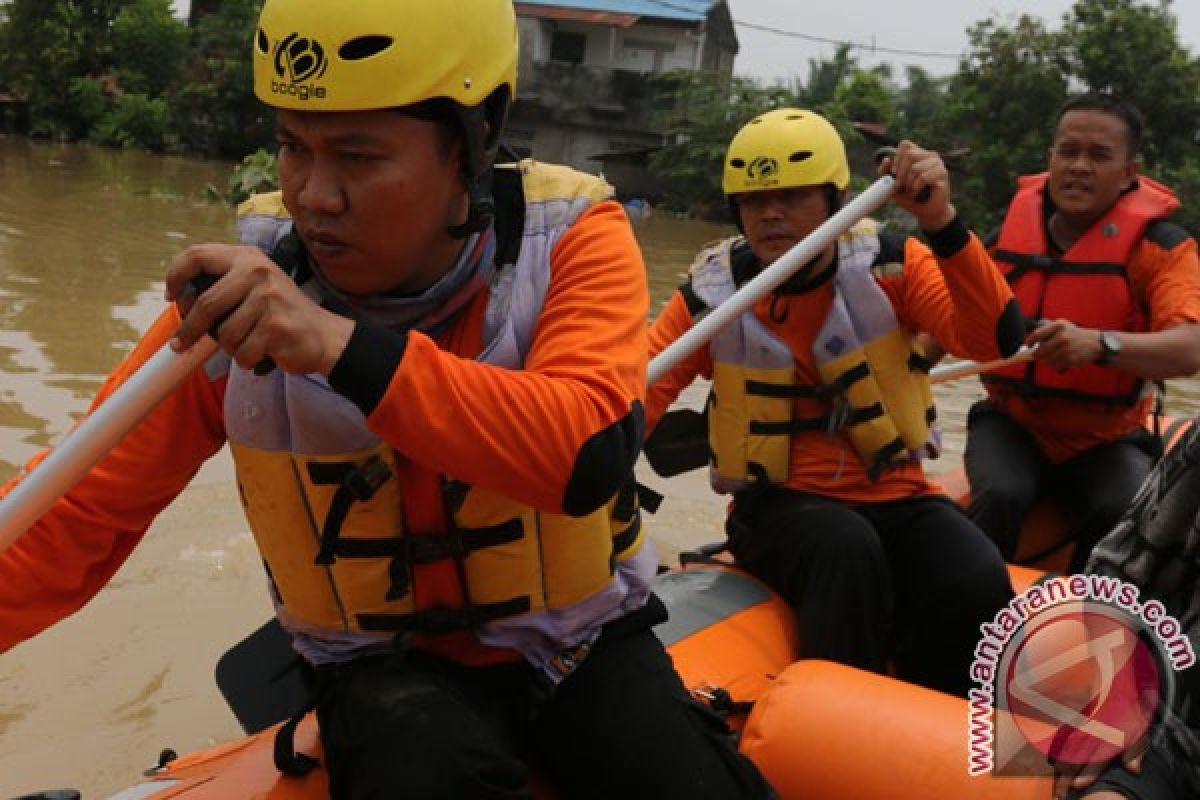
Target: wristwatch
1110,348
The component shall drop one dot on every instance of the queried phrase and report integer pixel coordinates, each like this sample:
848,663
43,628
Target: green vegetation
127,73
997,110
257,173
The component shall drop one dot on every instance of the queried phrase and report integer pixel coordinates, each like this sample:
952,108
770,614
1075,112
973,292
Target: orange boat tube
831,732
817,729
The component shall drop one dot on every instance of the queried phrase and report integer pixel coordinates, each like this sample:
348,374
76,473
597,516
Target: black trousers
908,581
1008,474
414,726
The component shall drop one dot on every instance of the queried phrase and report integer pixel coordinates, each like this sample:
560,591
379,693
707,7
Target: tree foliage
215,109
1002,102
706,110
45,44
1133,50
1000,107
920,104
257,173
126,72
997,111
149,45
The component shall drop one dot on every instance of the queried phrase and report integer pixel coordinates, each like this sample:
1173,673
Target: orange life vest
1088,285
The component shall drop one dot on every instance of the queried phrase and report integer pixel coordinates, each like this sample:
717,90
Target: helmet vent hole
263,45
800,155
364,47
791,117
737,163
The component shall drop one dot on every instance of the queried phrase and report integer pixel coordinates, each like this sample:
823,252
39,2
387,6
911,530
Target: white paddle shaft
964,369
801,253
99,433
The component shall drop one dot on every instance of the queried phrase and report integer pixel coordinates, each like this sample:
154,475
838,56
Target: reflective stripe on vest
1087,285
323,499
873,393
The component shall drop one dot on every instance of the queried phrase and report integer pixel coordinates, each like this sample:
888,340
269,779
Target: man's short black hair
1108,104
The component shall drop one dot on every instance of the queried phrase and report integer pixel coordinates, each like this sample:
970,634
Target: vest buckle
365,479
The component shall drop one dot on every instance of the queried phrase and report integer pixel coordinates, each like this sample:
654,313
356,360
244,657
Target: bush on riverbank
255,174
127,73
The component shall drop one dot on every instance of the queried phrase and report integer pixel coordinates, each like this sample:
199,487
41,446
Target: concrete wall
573,145
644,47
570,115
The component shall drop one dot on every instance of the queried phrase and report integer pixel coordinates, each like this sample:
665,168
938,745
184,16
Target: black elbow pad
604,462
1010,329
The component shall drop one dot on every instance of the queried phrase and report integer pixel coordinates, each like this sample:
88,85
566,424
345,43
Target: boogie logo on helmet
299,62
784,149
763,171
393,54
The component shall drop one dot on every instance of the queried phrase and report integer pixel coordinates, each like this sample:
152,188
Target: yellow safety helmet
331,55
783,149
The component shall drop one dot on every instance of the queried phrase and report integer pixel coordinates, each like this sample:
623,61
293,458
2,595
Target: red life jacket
1087,285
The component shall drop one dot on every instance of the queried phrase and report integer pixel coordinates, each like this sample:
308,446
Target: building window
568,47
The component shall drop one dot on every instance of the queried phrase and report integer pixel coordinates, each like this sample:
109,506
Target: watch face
1111,344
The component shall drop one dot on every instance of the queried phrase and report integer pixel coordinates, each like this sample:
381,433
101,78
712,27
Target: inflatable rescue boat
820,731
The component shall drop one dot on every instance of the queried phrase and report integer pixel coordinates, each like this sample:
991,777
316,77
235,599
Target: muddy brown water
85,236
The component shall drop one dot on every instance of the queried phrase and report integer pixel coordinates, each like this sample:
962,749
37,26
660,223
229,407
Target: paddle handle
99,433
964,369
801,253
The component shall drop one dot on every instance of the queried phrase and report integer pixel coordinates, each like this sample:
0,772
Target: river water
85,236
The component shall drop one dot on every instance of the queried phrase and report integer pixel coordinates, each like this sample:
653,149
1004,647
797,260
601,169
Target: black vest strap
287,760
818,391
509,224
919,363
626,504
454,544
648,499
438,621
625,539
883,458
695,306
355,482
832,421
1027,262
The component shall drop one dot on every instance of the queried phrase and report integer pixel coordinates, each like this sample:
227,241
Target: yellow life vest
875,386
321,491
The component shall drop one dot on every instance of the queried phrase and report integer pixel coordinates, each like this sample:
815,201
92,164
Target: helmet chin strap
481,208
804,279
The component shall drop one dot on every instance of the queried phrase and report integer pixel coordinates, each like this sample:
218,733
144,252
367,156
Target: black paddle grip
890,152
202,283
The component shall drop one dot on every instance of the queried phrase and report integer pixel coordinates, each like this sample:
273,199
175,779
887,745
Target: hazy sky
932,26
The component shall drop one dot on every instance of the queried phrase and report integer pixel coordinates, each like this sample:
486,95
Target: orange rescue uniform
1166,282
958,298
518,433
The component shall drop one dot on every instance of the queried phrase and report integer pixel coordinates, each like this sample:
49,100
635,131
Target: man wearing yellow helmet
820,409
431,385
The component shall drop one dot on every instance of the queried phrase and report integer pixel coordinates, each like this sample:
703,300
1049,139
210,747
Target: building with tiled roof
582,92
